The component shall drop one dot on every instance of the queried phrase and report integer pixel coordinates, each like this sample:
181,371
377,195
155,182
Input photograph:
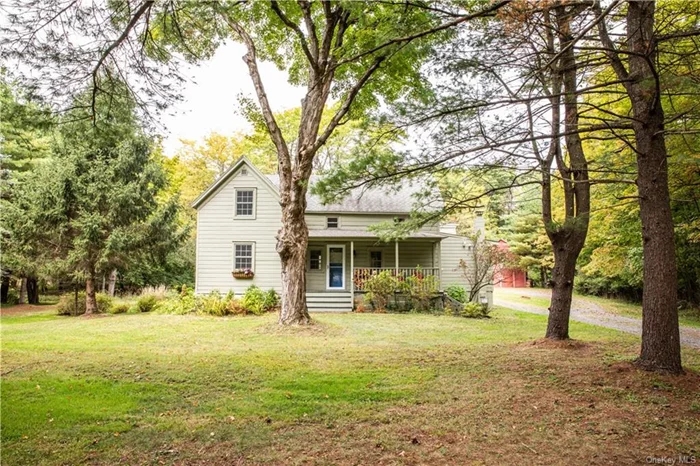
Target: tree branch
270,122
145,6
347,103
311,57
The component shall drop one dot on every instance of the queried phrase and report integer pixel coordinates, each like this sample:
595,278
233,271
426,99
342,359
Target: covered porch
339,262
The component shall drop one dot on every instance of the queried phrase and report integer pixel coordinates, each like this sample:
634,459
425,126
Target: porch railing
360,275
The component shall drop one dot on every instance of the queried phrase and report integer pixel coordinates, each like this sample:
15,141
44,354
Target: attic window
332,222
244,171
245,203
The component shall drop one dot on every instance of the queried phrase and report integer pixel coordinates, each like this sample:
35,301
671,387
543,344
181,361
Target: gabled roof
369,201
225,177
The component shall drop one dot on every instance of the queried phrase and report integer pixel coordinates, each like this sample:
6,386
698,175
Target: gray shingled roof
373,200
332,233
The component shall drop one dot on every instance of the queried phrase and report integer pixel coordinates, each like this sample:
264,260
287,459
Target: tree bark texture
32,290
22,291
291,245
90,295
112,284
568,237
660,334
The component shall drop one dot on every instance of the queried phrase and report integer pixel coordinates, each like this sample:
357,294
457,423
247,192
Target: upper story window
375,259
245,203
243,256
399,219
332,222
315,259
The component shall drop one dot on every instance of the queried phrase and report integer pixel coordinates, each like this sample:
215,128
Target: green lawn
353,389
689,317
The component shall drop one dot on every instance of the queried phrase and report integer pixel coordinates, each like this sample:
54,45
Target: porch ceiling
350,234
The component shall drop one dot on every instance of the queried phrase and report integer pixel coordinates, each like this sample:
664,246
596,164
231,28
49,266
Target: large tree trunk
32,290
567,239
660,334
4,288
90,295
292,241
112,286
22,291
565,256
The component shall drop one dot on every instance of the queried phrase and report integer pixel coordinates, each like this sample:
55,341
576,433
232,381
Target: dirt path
583,310
20,309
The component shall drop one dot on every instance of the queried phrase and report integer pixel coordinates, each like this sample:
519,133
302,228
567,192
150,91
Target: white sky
210,101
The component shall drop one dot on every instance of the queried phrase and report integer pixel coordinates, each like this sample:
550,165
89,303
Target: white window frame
235,203
337,217
252,252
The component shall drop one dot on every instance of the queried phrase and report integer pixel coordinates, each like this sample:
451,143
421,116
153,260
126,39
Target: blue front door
336,267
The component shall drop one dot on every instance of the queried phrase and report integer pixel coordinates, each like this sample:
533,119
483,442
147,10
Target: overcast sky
210,101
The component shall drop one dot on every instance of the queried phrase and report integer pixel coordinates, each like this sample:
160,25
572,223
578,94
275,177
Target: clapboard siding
412,253
452,249
218,229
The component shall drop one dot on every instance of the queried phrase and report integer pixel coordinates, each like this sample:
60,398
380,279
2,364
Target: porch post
396,256
352,274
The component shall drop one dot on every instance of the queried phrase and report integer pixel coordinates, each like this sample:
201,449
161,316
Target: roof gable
367,201
223,179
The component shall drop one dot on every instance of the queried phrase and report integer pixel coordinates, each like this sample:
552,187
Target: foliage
97,200
214,304
119,309
258,302
379,289
457,292
254,301
183,303
147,303
12,296
474,310
420,289
25,130
67,304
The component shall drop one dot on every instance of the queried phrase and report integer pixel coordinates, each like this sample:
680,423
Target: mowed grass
689,317
352,389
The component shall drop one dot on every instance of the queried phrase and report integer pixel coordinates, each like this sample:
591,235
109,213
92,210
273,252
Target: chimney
479,223
449,228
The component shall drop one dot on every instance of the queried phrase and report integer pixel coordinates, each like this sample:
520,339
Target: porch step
329,302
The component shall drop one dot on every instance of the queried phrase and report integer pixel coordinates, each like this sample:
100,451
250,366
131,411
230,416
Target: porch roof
350,234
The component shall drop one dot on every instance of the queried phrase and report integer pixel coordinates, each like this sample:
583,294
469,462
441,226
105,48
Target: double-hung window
245,203
243,256
332,222
315,259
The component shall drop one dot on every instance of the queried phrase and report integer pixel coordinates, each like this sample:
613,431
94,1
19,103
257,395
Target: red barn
509,277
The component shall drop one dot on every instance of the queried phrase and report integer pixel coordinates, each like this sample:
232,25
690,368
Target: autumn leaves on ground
352,389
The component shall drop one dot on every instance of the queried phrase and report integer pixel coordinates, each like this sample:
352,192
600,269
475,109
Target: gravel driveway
583,310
